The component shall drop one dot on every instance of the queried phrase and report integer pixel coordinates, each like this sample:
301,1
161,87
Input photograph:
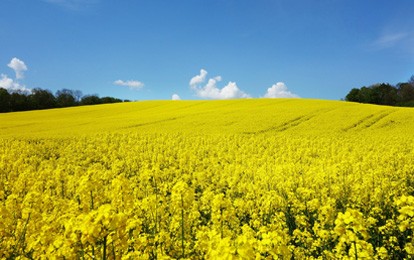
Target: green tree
384,94
19,101
381,94
4,100
353,95
106,100
42,99
90,100
366,95
66,98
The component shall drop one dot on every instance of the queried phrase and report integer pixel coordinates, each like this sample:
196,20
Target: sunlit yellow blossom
236,179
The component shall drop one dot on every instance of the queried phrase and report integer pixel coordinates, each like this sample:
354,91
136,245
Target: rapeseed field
238,179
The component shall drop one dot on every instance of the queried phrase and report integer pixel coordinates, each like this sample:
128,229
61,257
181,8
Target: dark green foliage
405,92
41,99
66,98
90,100
4,100
95,100
107,100
384,94
12,101
19,102
353,95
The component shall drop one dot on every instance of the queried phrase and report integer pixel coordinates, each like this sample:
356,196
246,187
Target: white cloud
12,85
210,90
175,97
279,90
18,66
198,79
132,84
7,83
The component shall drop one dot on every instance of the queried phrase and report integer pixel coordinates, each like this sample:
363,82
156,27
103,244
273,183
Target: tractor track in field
295,122
368,121
150,123
286,125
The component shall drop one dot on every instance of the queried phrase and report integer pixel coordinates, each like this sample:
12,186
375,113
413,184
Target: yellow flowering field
238,179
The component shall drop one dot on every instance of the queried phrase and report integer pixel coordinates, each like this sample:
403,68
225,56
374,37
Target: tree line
12,101
385,94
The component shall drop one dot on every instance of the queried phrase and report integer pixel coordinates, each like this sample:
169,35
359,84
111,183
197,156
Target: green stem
182,226
91,200
22,238
62,182
113,250
156,219
356,251
104,248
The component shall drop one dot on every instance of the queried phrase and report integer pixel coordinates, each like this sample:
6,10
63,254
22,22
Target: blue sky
206,49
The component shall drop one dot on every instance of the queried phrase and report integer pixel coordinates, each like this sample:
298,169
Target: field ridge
250,116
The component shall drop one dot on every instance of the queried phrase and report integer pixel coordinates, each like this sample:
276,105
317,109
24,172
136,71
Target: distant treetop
12,101
384,94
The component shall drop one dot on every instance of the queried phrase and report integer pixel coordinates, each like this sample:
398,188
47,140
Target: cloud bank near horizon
279,90
175,97
212,91
201,85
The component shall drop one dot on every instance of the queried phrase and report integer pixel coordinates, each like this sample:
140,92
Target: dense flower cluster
236,195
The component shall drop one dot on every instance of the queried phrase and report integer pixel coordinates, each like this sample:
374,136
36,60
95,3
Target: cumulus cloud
210,89
279,90
132,84
198,79
175,97
11,85
7,83
18,66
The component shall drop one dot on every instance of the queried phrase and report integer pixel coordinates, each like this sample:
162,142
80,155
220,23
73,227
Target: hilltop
248,116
